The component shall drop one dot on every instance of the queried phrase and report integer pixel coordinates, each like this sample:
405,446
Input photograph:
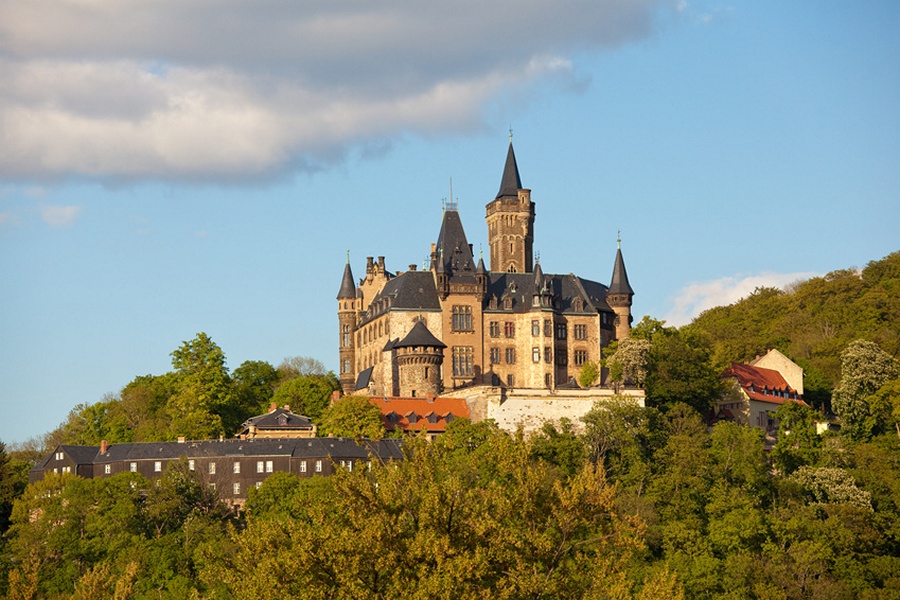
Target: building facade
509,326
231,467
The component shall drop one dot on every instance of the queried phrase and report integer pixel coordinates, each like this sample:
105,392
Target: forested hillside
811,323
634,502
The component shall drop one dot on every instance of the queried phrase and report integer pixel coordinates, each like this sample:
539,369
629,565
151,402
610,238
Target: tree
307,395
588,374
299,366
632,357
798,442
254,382
352,416
201,406
680,371
562,447
864,369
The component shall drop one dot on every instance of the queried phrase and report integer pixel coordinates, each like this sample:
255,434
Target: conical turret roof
420,336
348,288
619,283
510,183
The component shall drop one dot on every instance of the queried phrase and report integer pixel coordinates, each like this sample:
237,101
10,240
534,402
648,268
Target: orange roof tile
411,414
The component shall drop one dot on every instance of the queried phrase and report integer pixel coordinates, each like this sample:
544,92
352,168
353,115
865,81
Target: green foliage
680,371
798,442
631,359
561,447
812,322
307,395
352,416
865,368
588,374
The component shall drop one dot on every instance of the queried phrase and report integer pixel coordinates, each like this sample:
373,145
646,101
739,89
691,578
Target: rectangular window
260,466
495,356
157,466
258,483
536,354
237,467
548,327
535,328
303,466
510,356
510,380
580,357
236,489
107,469
561,359
346,367
67,469
133,467
190,464
509,329
463,359
580,332
59,456
318,466
462,318
548,355
560,331
269,466
349,465
212,486
495,329
212,468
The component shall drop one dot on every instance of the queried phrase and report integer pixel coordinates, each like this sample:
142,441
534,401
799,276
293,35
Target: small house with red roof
760,387
431,414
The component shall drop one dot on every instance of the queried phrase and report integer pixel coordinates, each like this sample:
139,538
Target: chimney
272,407
180,439
287,407
412,267
103,447
429,397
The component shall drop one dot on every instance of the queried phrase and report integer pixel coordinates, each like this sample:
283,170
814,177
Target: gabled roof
420,336
510,182
409,414
763,385
278,418
363,379
520,287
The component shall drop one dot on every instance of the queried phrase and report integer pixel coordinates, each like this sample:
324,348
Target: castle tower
620,295
510,221
348,311
419,359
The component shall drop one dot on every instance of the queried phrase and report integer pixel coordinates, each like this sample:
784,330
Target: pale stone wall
791,371
530,409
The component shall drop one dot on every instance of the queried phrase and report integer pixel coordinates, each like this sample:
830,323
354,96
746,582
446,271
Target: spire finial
348,256
537,256
619,240
510,133
480,251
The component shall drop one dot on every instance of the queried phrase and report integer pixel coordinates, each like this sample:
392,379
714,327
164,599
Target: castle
459,324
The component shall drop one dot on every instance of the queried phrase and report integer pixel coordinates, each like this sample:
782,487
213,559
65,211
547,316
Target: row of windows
262,466
509,329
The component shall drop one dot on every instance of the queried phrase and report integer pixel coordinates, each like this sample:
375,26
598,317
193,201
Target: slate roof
420,336
452,247
348,288
279,418
619,283
363,379
510,182
521,287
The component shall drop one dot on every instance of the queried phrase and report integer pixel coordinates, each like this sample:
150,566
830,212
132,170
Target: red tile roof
763,385
417,414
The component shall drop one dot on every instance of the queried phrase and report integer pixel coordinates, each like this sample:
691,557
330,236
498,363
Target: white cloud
694,298
59,216
236,89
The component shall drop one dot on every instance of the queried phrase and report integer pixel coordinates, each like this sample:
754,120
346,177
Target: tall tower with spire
620,295
348,311
510,222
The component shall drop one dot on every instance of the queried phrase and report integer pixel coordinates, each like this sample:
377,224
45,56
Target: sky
170,167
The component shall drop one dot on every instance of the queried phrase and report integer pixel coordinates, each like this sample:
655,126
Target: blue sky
190,167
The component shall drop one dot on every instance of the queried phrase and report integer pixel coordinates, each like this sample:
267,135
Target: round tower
347,315
419,359
620,295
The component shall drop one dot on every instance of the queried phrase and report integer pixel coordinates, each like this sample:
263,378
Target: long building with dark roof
230,466
510,326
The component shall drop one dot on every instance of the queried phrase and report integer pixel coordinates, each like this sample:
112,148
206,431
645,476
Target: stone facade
512,327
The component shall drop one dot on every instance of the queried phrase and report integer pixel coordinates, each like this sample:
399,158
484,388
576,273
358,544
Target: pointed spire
538,277
480,270
619,283
510,183
348,288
